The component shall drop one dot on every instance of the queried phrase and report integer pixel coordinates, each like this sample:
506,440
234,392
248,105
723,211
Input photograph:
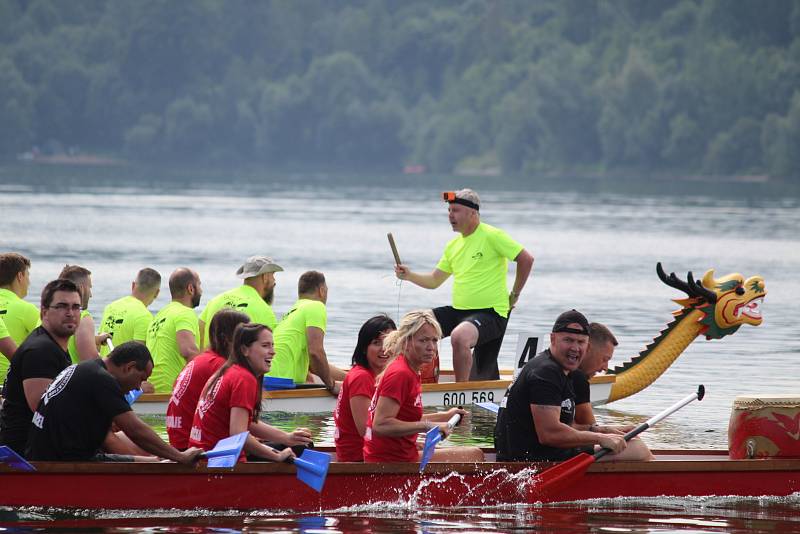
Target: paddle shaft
698,395
394,248
453,421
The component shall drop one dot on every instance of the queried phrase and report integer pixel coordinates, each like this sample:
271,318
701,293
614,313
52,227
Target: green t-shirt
20,318
72,347
291,343
3,329
163,344
126,319
244,299
479,265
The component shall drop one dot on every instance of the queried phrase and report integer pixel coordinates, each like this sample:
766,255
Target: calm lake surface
596,246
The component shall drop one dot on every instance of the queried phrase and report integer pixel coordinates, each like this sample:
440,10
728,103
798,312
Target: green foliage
681,86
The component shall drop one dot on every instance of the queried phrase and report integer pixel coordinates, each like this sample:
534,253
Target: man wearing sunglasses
38,360
478,261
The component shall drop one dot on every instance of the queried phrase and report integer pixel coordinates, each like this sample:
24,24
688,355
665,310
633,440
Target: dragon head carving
727,302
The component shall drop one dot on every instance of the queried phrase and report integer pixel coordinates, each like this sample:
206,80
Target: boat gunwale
713,461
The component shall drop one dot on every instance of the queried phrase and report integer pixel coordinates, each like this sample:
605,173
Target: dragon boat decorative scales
714,307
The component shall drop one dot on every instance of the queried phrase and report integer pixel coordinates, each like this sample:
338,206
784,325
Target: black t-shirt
75,413
542,381
39,356
580,384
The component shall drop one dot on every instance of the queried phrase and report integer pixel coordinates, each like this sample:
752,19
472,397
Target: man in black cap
536,418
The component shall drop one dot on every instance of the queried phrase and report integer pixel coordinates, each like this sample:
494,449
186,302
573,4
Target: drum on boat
764,426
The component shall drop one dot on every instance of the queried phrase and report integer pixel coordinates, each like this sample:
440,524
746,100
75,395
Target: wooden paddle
394,248
434,436
554,480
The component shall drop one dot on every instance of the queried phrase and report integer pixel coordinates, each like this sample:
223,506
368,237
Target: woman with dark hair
193,377
352,406
231,399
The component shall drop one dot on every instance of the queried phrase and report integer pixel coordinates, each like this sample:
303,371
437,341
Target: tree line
523,86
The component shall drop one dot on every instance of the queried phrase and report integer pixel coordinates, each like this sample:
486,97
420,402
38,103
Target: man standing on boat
74,416
253,297
601,349
536,417
128,319
38,360
300,336
478,260
174,333
20,317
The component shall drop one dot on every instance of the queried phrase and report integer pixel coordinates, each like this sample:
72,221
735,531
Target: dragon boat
249,486
713,307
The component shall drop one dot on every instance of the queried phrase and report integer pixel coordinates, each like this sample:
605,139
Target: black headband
465,202
580,331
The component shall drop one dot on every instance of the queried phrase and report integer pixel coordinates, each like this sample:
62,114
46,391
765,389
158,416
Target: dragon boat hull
318,400
275,487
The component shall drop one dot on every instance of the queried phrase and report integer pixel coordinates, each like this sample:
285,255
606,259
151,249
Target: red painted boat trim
275,487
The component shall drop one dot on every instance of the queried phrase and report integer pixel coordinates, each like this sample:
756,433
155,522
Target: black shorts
491,329
490,324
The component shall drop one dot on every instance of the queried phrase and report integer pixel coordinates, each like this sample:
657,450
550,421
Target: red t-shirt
187,390
349,444
236,389
404,386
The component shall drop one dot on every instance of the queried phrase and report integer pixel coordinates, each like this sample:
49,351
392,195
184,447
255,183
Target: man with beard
536,421
175,333
253,297
38,360
84,344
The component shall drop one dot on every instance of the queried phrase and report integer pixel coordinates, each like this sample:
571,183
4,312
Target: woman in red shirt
395,413
231,400
193,377
350,415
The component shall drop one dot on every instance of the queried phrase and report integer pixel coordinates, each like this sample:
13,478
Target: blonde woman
395,413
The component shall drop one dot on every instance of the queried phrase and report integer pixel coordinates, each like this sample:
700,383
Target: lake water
596,246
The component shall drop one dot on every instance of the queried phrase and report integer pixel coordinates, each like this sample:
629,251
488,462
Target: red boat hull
275,487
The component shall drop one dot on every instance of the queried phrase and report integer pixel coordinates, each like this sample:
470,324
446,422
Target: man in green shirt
84,344
478,260
299,337
253,297
20,317
127,319
7,345
174,333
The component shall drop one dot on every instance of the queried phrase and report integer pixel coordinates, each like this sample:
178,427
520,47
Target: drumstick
394,248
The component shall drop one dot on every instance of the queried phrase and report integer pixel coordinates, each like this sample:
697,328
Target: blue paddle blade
9,457
272,383
432,437
227,451
312,468
492,407
132,395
